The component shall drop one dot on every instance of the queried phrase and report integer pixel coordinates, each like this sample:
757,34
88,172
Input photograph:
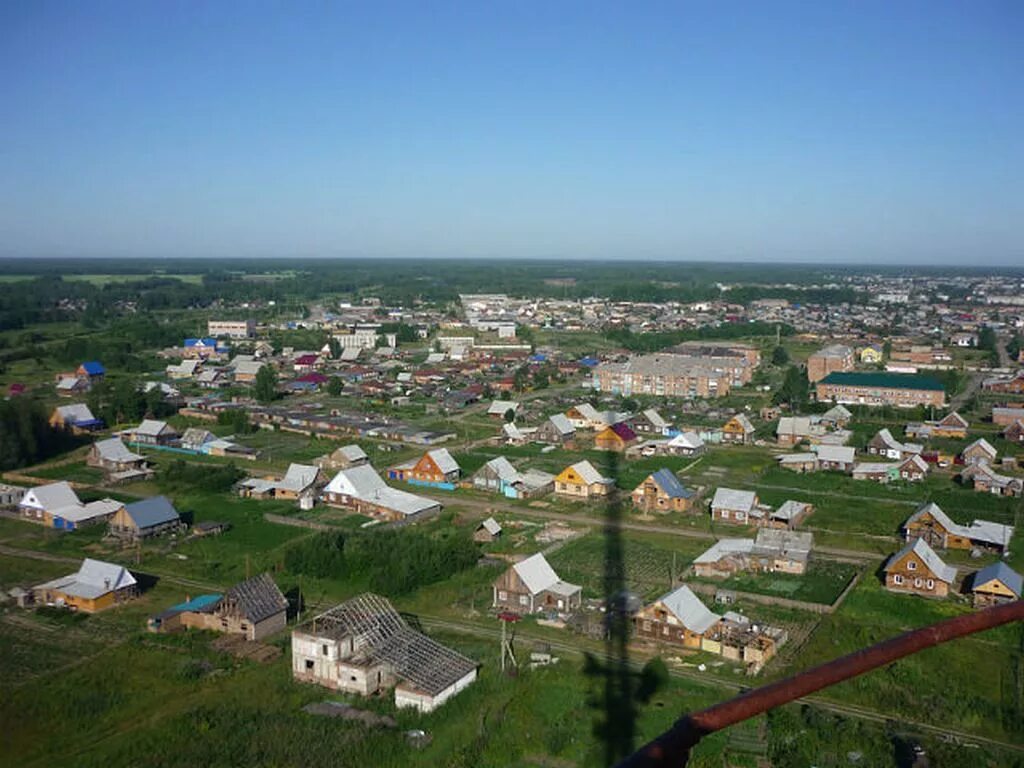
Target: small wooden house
918,570
1014,432
145,519
913,469
532,586
152,432
996,584
96,586
663,492
933,525
952,425
677,618
979,452
489,530
558,431
617,437
582,481
436,468
733,506
738,430
77,418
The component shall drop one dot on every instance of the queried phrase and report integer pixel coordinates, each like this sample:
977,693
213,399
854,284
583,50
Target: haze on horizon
857,132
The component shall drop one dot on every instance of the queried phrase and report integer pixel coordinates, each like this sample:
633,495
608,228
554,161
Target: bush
393,562
182,476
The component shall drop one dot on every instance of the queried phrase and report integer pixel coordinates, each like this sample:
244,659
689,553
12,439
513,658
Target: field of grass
648,562
823,582
971,682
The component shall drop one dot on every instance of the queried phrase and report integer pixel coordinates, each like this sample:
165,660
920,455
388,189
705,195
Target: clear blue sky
855,131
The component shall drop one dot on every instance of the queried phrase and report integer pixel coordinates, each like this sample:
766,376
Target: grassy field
823,582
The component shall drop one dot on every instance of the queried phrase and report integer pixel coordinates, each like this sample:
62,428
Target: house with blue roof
203,347
144,519
996,584
663,492
92,370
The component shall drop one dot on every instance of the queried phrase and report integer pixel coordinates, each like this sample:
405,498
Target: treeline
658,340
123,402
26,436
391,562
181,476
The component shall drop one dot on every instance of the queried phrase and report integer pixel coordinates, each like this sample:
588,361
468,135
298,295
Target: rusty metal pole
673,747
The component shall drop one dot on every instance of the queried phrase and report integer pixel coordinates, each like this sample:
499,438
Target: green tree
780,356
265,387
510,416
794,389
335,386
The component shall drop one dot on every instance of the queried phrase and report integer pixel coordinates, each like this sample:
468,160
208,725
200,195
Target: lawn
823,582
648,562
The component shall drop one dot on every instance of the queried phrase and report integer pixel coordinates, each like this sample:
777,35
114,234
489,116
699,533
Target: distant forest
52,295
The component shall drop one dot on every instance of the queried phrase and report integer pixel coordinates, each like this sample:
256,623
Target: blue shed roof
150,512
197,603
207,342
590,362
93,368
671,484
1004,573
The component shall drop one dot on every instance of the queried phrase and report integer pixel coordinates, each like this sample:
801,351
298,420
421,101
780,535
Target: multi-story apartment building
835,357
234,329
665,375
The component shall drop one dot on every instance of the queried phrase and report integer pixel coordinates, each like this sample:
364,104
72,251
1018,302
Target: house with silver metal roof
532,586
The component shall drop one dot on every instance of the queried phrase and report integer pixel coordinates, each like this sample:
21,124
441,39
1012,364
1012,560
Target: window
917,583
647,626
309,665
502,594
523,600
897,578
930,583
911,565
323,649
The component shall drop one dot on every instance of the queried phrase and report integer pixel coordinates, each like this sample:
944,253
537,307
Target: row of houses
56,505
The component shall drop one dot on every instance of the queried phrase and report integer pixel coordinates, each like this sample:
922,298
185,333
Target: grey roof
982,443
932,561
298,477
93,579
838,453
834,350
113,449
686,440
152,512
797,458
444,460
724,547
886,438
978,530
257,598
51,496
789,510
671,484
75,412
538,576
503,468
491,526
364,483
499,407
562,425
798,426
744,422
794,544
733,500
1004,573
589,474
352,452
153,428
688,608
837,413
655,418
